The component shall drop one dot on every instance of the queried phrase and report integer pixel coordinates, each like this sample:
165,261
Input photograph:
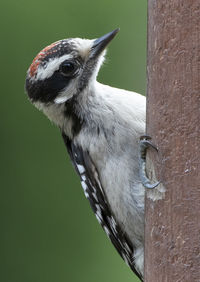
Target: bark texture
172,246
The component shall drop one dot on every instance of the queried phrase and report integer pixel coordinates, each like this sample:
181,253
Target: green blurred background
48,231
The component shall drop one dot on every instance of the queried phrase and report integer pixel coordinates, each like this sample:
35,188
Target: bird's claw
145,143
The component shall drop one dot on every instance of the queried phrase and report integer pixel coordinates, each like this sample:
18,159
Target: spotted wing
95,194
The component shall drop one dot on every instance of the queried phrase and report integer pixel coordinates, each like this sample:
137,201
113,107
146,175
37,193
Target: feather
94,192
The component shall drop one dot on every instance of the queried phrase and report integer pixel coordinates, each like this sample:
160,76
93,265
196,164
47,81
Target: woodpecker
101,127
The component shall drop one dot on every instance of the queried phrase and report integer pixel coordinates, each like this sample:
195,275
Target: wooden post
172,225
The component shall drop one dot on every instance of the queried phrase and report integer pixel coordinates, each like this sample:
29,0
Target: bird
101,128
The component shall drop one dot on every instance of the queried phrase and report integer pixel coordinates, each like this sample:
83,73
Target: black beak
100,44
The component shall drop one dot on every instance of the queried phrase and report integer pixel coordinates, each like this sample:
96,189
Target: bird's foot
145,143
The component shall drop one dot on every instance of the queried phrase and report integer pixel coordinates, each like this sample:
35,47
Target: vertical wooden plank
172,231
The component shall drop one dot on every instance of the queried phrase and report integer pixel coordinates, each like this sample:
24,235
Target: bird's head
65,68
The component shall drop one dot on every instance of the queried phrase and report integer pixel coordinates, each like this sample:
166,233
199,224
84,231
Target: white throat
55,112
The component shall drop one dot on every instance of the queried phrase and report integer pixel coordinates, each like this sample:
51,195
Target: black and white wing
94,192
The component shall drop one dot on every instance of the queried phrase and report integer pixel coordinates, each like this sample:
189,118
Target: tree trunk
172,225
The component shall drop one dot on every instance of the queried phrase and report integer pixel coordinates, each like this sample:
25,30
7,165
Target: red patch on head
36,62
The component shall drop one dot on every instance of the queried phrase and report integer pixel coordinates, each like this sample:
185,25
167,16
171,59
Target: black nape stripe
72,114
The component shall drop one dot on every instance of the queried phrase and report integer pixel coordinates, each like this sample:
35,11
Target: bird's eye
68,68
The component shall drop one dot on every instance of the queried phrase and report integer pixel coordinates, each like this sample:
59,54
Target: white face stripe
83,47
52,66
67,92
60,100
